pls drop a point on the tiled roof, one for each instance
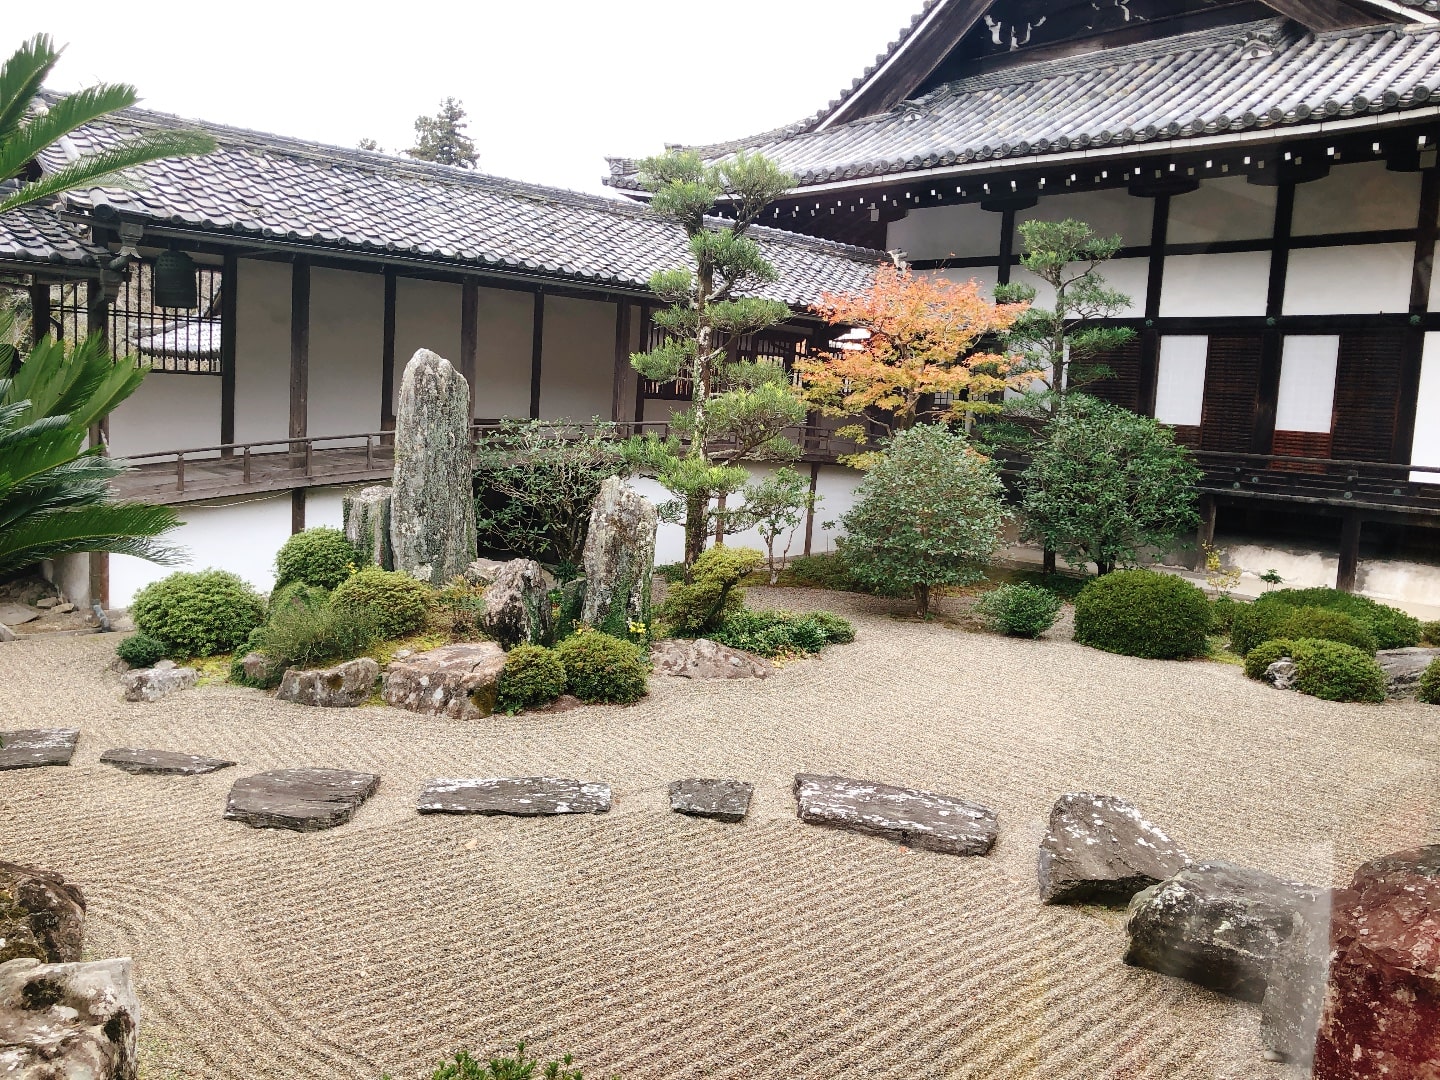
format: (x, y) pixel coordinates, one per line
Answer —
(1261, 75)
(289, 191)
(34, 235)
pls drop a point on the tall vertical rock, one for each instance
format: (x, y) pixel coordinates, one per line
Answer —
(366, 516)
(619, 558)
(432, 514)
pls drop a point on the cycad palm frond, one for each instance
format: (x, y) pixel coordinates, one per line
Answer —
(123, 528)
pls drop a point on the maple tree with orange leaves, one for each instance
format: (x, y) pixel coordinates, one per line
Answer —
(922, 330)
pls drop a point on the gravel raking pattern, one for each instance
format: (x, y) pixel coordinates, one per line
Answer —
(659, 946)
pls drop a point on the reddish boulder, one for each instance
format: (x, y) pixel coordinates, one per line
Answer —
(1381, 1018)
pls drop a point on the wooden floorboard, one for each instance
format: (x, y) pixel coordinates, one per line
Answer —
(218, 478)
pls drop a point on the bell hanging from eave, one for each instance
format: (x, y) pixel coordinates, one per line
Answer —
(175, 281)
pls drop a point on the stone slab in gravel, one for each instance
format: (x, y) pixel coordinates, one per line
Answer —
(31, 748)
(723, 800)
(305, 800)
(17, 615)
(1099, 848)
(921, 819)
(1219, 925)
(162, 762)
(527, 796)
(72, 1020)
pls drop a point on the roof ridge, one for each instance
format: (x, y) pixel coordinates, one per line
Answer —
(286, 145)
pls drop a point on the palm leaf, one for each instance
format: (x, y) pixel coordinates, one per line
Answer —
(21, 78)
(44, 128)
(101, 168)
(123, 528)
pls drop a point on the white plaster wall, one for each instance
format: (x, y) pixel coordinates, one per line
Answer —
(1229, 208)
(940, 232)
(1111, 212)
(1361, 280)
(1425, 449)
(660, 409)
(506, 324)
(427, 316)
(836, 487)
(1306, 401)
(347, 330)
(1128, 276)
(983, 276)
(577, 360)
(1215, 285)
(262, 352)
(167, 412)
(1357, 198)
(1180, 381)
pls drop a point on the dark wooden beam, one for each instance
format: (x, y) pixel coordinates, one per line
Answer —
(387, 356)
(622, 360)
(1007, 246)
(297, 510)
(1322, 15)
(299, 351)
(1149, 374)
(1267, 391)
(469, 337)
(537, 347)
(1349, 552)
(229, 319)
(1421, 276)
(39, 310)
(810, 509)
(98, 296)
(915, 60)
(1205, 535)
(640, 379)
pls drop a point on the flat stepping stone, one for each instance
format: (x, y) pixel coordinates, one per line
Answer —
(921, 819)
(162, 762)
(33, 747)
(723, 800)
(305, 800)
(526, 796)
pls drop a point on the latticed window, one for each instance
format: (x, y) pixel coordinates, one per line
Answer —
(767, 346)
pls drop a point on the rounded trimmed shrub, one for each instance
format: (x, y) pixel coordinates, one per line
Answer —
(604, 669)
(1143, 613)
(715, 593)
(140, 651)
(321, 557)
(776, 633)
(533, 676)
(1429, 690)
(1430, 633)
(1325, 624)
(198, 613)
(1019, 610)
(837, 628)
(395, 602)
(1256, 623)
(1336, 672)
(1393, 628)
(297, 594)
(1266, 653)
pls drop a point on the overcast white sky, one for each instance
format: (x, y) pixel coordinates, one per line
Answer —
(551, 86)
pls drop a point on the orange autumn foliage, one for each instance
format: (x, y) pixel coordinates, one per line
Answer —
(922, 329)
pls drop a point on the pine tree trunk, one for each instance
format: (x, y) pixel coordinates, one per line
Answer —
(695, 531)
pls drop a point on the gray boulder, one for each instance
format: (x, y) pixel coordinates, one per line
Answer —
(1281, 674)
(702, 658)
(41, 917)
(432, 513)
(152, 684)
(460, 681)
(1217, 924)
(1098, 848)
(341, 687)
(921, 819)
(1403, 668)
(305, 800)
(6, 634)
(619, 558)
(32, 748)
(258, 668)
(76, 1021)
(483, 571)
(366, 517)
(1295, 990)
(517, 604)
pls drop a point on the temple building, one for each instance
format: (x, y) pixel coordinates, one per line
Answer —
(1271, 169)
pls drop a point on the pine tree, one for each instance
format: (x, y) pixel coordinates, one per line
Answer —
(441, 138)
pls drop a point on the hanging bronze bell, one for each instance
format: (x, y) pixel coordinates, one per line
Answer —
(175, 281)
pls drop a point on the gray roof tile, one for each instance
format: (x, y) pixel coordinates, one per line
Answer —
(1173, 88)
(290, 190)
(35, 235)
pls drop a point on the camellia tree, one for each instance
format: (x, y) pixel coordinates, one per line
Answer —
(1104, 484)
(774, 507)
(920, 338)
(737, 411)
(928, 513)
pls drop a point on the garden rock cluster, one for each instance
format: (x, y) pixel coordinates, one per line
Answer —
(517, 604)
(460, 681)
(152, 684)
(73, 1020)
(42, 916)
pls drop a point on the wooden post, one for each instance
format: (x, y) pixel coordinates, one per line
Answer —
(1349, 551)
(229, 317)
(622, 360)
(1007, 246)
(297, 510)
(97, 318)
(640, 379)
(1421, 274)
(469, 337)
(387, 360)
(299, 359)
(1205, 534)
(537, 345)
(39, 310)
(810, 511)
(1267, 392)
(1149, 376)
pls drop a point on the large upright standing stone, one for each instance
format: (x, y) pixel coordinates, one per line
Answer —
(432, 514)
(619, 558)
(366, 515)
